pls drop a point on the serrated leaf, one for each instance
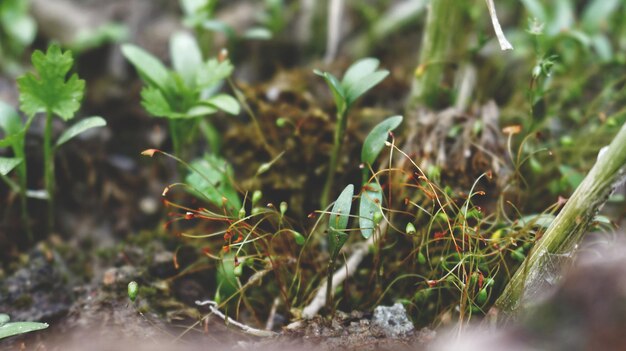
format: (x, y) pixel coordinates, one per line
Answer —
(369, 205)
(213, 72)
(149, 67)
(80, 127)
(49, 90)
(375, 140)
(364, 84)
(154, 102)
(338, 221)
(186, 56)
(17, 328)
(359, 69)
(211, 178)
(225, 103)
(7, 164)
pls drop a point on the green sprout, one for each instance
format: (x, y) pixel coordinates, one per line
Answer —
(17, 31)
(337, 236)
(185, 94)
(51, 92)
(16, 328)
(362, 76)
(199, 15)
(14, 132)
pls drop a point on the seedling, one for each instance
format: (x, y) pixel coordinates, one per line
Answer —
(185, 94)
(337, 236)
(17, 31)
(8, 328)
(199, 15)
(14, 131)
(372, 194)
(49, 91)
(362, 76)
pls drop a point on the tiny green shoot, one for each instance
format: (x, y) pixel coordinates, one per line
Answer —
(362, 76)
(51, 91)
(185, 94)
(337, 236)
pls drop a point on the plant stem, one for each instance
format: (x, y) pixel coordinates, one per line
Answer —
(443, 38)
(568, 228)
(22, 175)
(340, 130)
(329, 285)
(49, 167)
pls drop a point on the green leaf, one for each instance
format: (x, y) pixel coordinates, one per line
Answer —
(366, 83)
(201, 110)
(542, 220)
(49, 90)
(338, 221)
(78, 128)
(10, 122)
(149, 67)
(258, 33)
(7, 164)
(212, 73)
(220, 27)
(210, 178)
(370, 204)
(572, 176)
(154, 102)
(225, 103)
(597, 12)
(375, 140)
(225, 276)
(335, 87)
(17, 328)
(186, 56)
(359, 69)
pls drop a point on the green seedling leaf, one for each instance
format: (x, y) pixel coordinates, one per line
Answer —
(220, 27)
(258, 33)
(16, 22)
(149, 67)
(199, 111)
(49, 90)
(211, 180)
(369, 207)
(80, 127)
(186, 56)
(375, 140)
(335, 88)
(153, 100)
(597, 13)
(366, 83)
(7, 164)
(299, 238)
(16, 328)
(338, 221)
(226, 278)
(358, 70)
(540, 220)
(213, 72)
(10, 121)
(225, 103)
